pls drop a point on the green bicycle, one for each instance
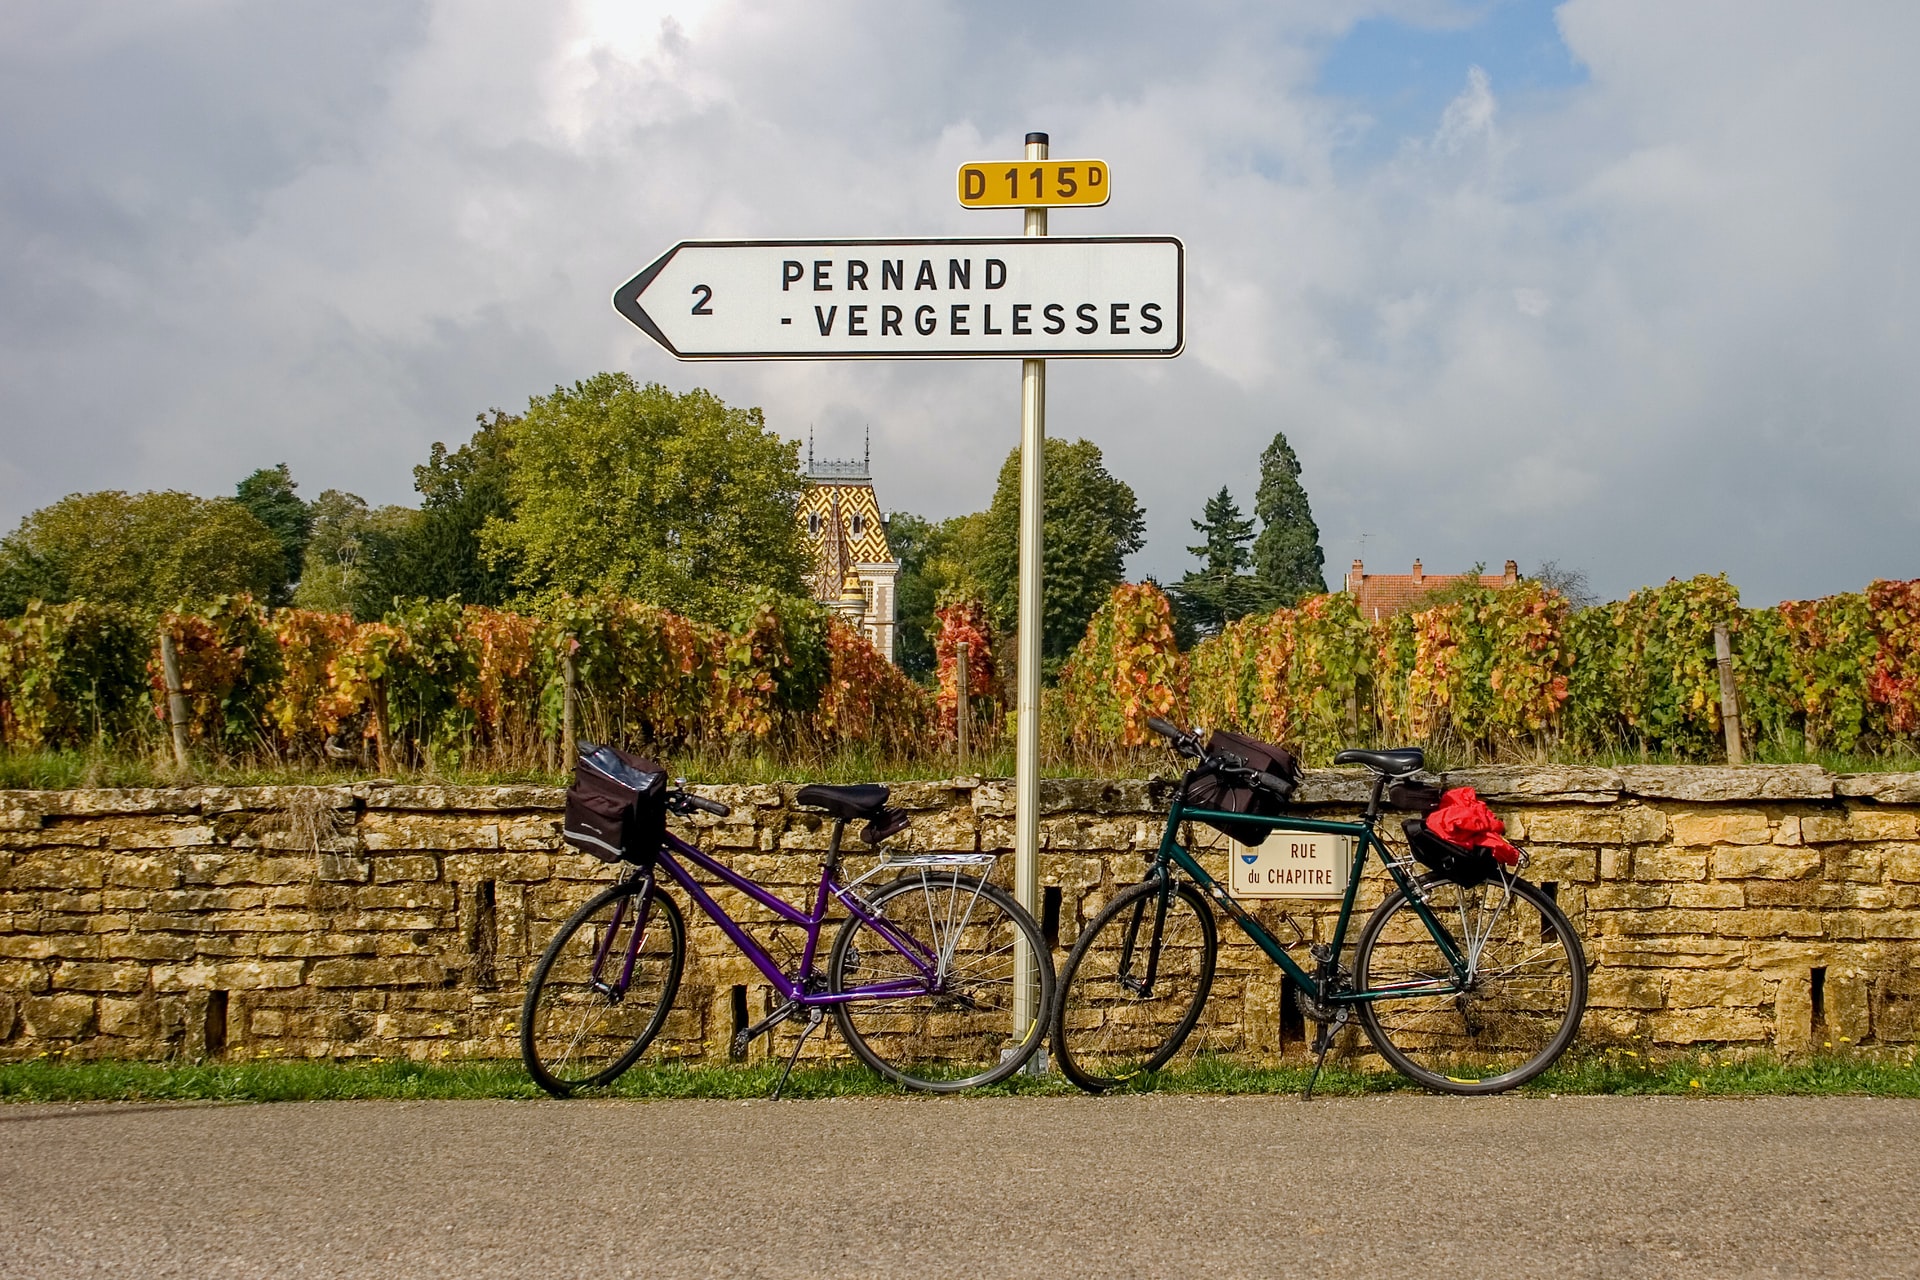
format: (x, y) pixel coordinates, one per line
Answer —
(1467, 979)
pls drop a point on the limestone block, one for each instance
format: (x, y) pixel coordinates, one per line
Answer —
(1903, 863)
(1711, 896)
(392, 869)
(1727, 826)
(1564, 783)
(163, 834)
(1864, 823)
(398, 971)
(1724, 988)
(1561, 865)
(1712, 1026)
(1787, 832)
(1625, 989)
(244, 868)
(1642, 824)
(128, 1019)
(1767, 862)
(144, 946)
(923, 797)
(520, 867)
(1616, 863)
(100, 975)
(537, 832)
(1866, 863)
(1573, 826)
(381, 832)
(59, 1017)
(1827, 895)
(230, 975)
(1665, 864)
(55, 871)
(1824, 828)
(138, 871)
(1793, 1013)
(1614, 897)
(1722, 784)
(7, 1016)
(1847, 1006)
(1887, 788)
(1086, 835)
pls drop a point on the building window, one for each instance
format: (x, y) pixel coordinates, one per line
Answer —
(813, 523)
(859, 524)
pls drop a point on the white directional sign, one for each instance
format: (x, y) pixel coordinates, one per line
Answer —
(1016, 296)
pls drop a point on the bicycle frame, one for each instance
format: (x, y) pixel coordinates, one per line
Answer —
(1364, 837)
(799, 988)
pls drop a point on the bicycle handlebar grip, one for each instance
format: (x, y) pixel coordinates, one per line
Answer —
(713, 807)
(1165, 728)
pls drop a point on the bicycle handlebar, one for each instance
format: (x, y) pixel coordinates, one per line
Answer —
(687, 802)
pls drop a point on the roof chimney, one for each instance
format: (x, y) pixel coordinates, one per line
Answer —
(1418, 573)
(1354, 575)
(1513, 573)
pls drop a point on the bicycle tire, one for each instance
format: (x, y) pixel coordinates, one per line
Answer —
(1103, 1033)
(1525, 997)
(572, 1036)
(960, 1034)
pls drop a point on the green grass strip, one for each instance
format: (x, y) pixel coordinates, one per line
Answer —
(1698, 1074)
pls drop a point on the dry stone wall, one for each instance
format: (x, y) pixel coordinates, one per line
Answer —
(1762, 907)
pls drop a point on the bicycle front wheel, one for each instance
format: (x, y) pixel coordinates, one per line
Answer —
(1134, 985)
(1519, 1007)
(942, 952)
(589, 1014)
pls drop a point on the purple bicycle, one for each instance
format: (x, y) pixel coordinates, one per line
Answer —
(920, 977)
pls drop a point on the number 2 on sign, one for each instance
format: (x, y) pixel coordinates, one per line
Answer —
(705, 295)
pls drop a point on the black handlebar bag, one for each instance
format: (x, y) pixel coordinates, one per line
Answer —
(617, 806)
(1211, 787)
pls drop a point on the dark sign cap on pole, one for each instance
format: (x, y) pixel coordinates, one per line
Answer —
(1040, 138)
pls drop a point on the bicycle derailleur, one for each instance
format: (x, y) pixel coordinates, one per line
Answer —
(1329, 975)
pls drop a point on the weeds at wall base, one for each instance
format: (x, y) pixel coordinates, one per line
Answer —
(1693, 1073)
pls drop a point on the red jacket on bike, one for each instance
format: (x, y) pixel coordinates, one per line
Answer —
(1464, 819)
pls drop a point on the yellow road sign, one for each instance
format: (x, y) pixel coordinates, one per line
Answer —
(1033, 184)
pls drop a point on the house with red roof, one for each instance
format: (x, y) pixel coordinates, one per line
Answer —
(1381, 595)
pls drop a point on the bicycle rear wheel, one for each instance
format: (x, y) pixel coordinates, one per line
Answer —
(588, 1017)
(952, 1026)
(1519, 1008)
(1126, 1004)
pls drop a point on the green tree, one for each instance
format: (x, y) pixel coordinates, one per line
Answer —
(460, 490)
(1286, 556)
(354, 556)
(678, 500)
(269, 494)
(1091, 524)
(1219, 592)
(148, 551)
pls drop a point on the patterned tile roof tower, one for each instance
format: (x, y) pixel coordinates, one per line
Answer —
(853, 567)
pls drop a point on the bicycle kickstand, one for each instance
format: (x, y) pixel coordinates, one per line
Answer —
(816, 1017)
(1322, 1041)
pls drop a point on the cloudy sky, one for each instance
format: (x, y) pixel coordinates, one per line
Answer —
(1623, 284)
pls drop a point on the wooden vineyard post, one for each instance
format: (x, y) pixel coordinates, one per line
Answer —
(1729, 696)
(569, 743)
(382, 747)
(176, 697)
(963, 713)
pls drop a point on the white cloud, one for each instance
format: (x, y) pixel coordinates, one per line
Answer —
(1659, 323)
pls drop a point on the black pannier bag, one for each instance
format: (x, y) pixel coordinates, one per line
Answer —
(1422, 798)
(1445, 858)
(1207, 788)
(617, 805)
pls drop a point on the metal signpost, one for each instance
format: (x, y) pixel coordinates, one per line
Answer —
(1027, 297)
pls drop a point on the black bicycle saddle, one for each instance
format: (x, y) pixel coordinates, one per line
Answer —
(1395, 763)
(861, 801)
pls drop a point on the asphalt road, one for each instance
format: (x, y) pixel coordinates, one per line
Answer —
(1138, 1186)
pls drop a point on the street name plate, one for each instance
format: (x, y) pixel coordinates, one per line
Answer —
(986, 298)
(1290, 864)
(1033, 184)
